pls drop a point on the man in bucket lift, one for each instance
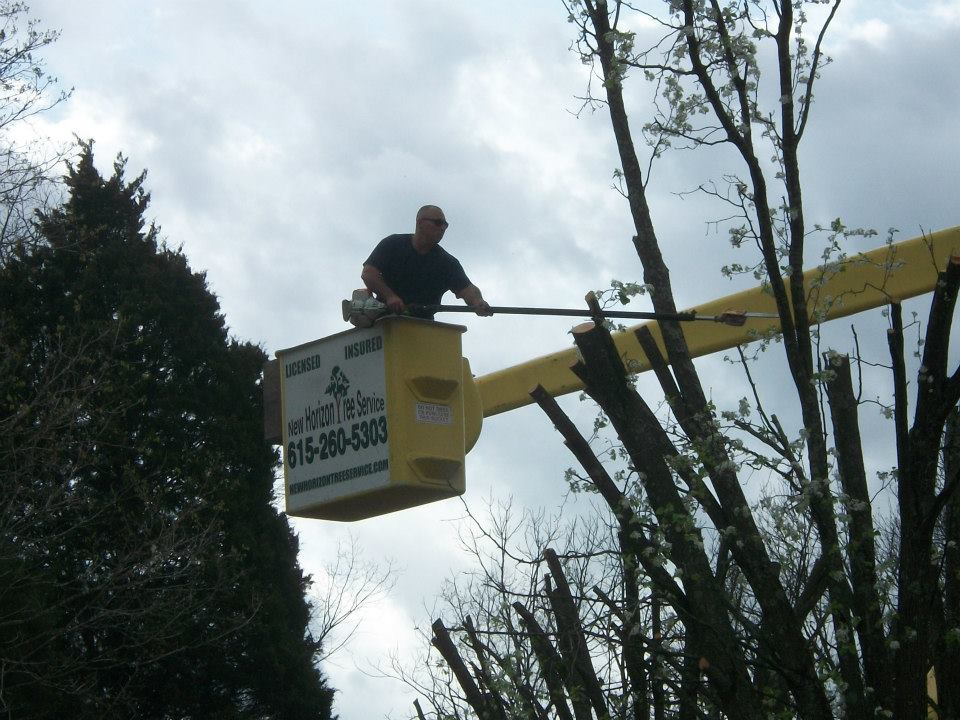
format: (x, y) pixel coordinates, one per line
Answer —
(413, 269)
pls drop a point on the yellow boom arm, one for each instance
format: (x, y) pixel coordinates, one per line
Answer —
(888, 274)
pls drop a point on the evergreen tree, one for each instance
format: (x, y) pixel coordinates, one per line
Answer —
(143, 570)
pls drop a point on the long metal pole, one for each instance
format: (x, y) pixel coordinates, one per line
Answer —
(729, 318)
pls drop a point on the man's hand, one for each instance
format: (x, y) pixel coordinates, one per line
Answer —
(395, 303)
(373, 279)
(482, 308)
(472, 296)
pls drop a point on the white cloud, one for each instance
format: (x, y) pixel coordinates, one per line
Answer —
(873, 32)
(947, 12)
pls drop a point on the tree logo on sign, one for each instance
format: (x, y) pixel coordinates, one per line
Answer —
(338, 386)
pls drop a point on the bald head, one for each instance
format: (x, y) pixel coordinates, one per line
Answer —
(429, 211)
(431, 225)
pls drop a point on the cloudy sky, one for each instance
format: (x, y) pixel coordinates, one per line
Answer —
(284, 139)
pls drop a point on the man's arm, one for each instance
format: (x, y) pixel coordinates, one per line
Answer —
(374, 281)
(472, 296)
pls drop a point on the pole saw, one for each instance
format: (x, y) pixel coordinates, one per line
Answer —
(363, 310)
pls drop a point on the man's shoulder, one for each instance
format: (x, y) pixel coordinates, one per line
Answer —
(397, 239)
(442, 254)
(390, 248)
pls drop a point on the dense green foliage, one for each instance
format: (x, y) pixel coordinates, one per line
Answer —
(143, 570)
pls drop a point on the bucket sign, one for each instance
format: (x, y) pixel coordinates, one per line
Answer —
(373, 419)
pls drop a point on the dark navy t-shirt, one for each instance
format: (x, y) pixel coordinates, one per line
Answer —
(416, 278)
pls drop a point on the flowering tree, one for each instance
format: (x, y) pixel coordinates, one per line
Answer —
(26, 90)
(706, 597)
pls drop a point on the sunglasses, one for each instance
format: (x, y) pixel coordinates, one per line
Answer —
(437, 222)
